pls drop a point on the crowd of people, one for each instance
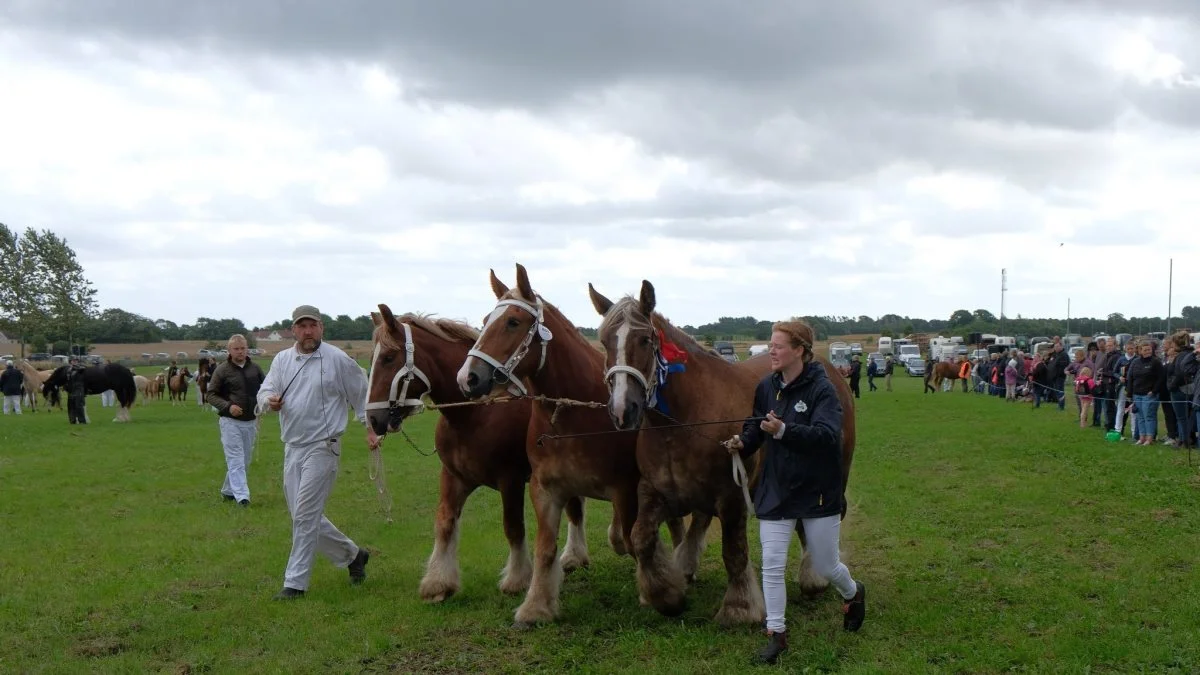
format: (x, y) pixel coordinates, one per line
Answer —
(1115, 389)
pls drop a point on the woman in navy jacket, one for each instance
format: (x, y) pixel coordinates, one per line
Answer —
(801, 481)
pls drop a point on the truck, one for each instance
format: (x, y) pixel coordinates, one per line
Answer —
(839, 354)
(943, 348)
(885, 345)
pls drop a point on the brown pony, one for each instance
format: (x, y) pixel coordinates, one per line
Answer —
(203, 374)
(526, 337)
(682, 469)
(154, 388)
(178, 385)
(944, 371)
(478, 445)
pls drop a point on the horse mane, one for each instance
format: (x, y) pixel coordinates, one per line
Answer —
(442, 328)
(515, 294)
(628, 309)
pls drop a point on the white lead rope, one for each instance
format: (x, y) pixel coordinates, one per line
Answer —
(742, 479)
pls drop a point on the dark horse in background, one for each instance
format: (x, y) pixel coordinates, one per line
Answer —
(98, 379)
(204, 371)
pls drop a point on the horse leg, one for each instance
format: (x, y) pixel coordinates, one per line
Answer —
(689, 549)
(441, 578)
(616, 533)
(575, 553)
(811, 583)
(515, 576)
(541, 602)
(743, 602)
(660, 582)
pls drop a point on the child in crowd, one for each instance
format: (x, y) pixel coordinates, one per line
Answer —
(1085, 387)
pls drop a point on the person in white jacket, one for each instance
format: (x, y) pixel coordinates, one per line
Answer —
(311, 385)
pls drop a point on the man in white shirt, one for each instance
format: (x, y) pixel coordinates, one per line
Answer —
(311, 385)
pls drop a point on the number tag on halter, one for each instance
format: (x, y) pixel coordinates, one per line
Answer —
(544, 332)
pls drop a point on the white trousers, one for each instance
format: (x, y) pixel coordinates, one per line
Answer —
(12, 403)
(237, 437)
(308, 476)
(108, 398)
(822, 537)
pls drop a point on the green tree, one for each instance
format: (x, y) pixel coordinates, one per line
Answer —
(22, 296)
(69, 296)
(984, 316)
(961, 317)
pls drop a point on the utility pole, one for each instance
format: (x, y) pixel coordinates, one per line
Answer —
(1170, 283)
(1068, 317)
(1003, 288)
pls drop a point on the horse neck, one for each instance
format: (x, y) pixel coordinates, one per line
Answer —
(440, 360)
(704, 376)
(574, 369)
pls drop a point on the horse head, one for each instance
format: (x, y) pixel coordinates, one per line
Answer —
(512, 344)
(632, 354)
(395, 383)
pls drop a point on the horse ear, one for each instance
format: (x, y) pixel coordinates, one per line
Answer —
(523, 283)
(647, 301)
(498, 286)
(388, 317)
(376, 319)
(601, 303)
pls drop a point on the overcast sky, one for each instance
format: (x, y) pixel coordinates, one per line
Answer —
(235, 158)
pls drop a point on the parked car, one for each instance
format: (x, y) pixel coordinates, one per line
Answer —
(39, 356)
(725, 350)
(162, 355)
(916, 367)
(856, 348)
(181, 355)
(755, 350)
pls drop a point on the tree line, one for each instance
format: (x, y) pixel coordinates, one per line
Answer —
(48, 303)
(961, 322)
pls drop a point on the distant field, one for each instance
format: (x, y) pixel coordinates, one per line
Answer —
(992, 538)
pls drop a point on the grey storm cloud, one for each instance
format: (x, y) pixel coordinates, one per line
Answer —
(801, 124)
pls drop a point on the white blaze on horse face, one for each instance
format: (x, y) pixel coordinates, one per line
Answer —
(621, 379)
(374, 369)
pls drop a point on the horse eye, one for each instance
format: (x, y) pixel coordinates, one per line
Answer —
(388, 358)
(646, 341)
(513, 323)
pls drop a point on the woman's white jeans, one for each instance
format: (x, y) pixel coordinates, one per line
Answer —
(822, 536)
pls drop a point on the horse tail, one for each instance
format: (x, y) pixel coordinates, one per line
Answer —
(126, 388)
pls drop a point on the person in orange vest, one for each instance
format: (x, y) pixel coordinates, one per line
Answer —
(964, 371)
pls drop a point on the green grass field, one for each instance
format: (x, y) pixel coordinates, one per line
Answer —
(992, 538)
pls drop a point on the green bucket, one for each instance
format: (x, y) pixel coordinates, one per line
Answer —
(1112, 436)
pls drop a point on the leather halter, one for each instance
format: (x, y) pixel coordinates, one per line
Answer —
(398, 393)
(650, 386)
(503, 371)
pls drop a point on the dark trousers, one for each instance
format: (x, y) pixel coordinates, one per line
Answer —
(76, 411)
(854, 386)
(1169, 414)
(871, 382)
(1060, 392)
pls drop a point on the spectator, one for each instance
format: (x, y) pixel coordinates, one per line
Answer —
(872, 372)
(1058, 373)
(887, 373)
(1145, 375)
(1010, 381)
(11, 382)
(1183, 388)
(1085, 388)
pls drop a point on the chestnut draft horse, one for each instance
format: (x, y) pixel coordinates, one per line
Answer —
(526, 337)
(688, 469)
(944, 370)
(478, 445)
(682, 469)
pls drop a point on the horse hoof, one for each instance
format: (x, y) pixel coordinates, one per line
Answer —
(522, 626)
